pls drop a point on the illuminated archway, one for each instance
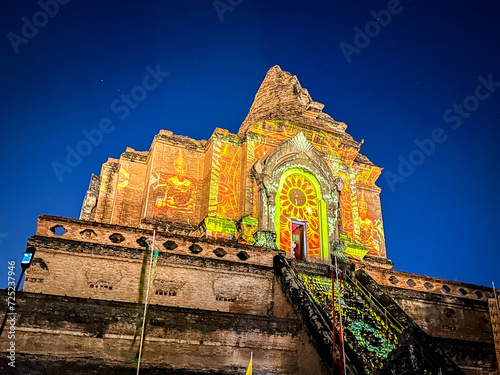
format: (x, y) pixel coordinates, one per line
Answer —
(297, 156)
(299, 200)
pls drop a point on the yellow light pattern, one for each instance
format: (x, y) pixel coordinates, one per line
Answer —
(298, 201)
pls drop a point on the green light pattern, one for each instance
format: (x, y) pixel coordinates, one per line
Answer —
(218, 225)
(365, 331)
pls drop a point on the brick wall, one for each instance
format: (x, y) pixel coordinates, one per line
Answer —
(92, 266)
(195, 341)
(446, 317)
(435, 285)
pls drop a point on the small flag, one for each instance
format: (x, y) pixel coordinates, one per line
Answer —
(155, 258)
(249, 368)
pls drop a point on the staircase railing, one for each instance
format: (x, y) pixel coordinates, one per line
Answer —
(428, 360)
(408, 332)
(375, 304)
(389, 318)
(310, 313)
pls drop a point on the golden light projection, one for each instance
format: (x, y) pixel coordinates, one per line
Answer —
(367, 175)
(229, 166)
(276, 131)
(261, 151)
(361, 222)
(123, 179)
(178, 190)
(365, 224)
(298, 200)
(346, 209)
(249, 226)
(371, 231)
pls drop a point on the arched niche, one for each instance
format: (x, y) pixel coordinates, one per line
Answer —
(297, 155)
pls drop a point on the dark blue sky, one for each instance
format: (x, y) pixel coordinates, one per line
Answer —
(62, 78)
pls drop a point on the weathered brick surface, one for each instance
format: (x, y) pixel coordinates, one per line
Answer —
(475, 358)
(177, 338)
(107, 190)
(422, 283)
(95, 268)
(460, 327)
(99, 234)
(276, 99)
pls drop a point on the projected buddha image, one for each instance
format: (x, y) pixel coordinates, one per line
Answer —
(179, 193)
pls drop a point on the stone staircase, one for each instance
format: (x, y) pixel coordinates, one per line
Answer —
(380, 338)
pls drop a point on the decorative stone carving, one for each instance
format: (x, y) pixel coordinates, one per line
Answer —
(38, 269)
(224, 288)
(297, 152)
(169, 285)
(265, 239)
(96, 279)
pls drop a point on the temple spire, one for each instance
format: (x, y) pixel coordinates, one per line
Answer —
(281, 97)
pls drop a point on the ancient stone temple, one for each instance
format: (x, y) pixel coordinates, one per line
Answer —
(230, 241)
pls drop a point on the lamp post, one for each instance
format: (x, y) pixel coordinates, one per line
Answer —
(25, 264)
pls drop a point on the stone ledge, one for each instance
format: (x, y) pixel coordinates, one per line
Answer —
(46, 309)
(164, 257)
(398, 293)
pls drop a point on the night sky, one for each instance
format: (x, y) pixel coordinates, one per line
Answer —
(418, 81)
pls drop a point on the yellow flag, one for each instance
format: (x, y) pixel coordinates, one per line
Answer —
(249, 368)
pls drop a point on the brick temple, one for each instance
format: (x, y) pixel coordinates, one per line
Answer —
(246, 227)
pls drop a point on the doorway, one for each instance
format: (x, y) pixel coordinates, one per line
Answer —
(299, 239)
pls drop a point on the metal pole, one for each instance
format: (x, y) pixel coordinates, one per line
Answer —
(146, 302)
(333, 318)
(20, 278)
(7, 307)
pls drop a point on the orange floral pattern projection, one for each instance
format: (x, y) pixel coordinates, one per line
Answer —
(346, 209)
(261, 151)
(229, 166)
(275, 131)
(298, 201)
